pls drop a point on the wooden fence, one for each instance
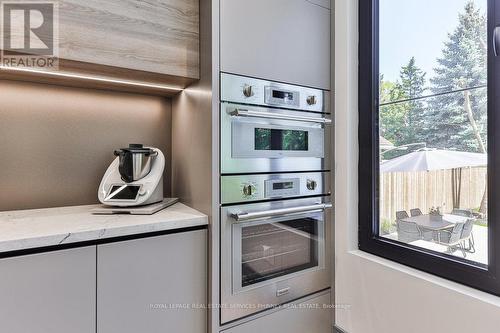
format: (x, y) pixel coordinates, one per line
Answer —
(407, 190)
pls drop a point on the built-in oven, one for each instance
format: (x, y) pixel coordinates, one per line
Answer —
(272, 127)
(272, 253)
(275, 215)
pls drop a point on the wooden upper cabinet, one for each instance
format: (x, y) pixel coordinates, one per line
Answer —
(130, 45)
(158, 36)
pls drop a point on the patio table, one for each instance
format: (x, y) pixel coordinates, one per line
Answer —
(432, 223)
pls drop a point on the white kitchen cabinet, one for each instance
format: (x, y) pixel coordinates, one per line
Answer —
(299, 318)
(153, 285)
(51, 292)
(280, 40)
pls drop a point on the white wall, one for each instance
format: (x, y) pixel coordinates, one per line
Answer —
(384, 297)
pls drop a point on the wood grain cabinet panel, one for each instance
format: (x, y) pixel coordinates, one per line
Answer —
(142, 46)
(159, 36)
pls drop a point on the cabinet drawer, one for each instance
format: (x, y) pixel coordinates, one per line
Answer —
(50, 292)
(302, 318)
(153, 284)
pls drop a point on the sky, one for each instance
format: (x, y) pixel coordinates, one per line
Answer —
(416, 28)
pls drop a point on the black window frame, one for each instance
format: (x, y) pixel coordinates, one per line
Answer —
(482, 277)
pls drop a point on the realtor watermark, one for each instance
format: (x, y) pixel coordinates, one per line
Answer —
(247, 306)
(29, 34)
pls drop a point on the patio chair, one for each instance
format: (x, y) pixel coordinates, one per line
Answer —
(478, 215)
(415, 212)
(452, 238)
(408, 231)
(462, 212)
(401, 214)
(468, 236)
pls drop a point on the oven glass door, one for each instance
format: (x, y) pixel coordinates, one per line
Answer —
(277, 248)
(263, 138)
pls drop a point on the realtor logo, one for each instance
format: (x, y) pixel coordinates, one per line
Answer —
(29, 33)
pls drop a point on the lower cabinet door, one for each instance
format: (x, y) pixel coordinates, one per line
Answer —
(153, 285)
(51, 292)
(310, 316)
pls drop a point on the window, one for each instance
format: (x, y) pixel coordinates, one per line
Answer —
(427, 157)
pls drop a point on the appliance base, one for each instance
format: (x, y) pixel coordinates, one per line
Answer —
(137, 210)
(309, 314)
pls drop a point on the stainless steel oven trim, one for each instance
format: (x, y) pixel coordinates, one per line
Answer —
(268, 293)
(230, 165)
(271, 115)
(245, 216)
(236, 250)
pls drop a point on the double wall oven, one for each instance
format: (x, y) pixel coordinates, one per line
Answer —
(275, 215)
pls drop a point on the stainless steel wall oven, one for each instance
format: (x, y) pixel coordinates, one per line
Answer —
(260, 134)
(275, 194)
(272, 253)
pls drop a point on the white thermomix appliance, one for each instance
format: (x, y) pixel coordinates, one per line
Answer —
(134, 178)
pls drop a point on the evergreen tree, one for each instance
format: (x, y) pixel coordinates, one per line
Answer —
(410, 86)
(392, 116)
(401, 122)
(458, 120)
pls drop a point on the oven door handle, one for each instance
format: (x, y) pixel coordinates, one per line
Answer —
(244, 216)
(269, 115)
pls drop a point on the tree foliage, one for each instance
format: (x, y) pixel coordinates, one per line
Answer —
(450, 120)
(401, 115)
(463, 64)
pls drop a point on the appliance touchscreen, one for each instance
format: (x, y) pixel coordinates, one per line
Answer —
(124, 192)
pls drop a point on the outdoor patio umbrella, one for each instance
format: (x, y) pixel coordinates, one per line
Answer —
(437, 159)
(385, 144)
(434, 159)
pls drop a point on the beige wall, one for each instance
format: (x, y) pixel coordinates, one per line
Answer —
(382, 296)
(56, 142)
(193, 127)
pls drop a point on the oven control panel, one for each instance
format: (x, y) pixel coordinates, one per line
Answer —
(281, 97)
(247, 90)
(279, 188)
(248, 188)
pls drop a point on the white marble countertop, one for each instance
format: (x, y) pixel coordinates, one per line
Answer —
(27, 229)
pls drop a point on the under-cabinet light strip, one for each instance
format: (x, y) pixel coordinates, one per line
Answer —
(94, 78)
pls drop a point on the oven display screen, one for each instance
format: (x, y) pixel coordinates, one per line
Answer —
(277, 139)
(282, 186)
(126, 193)
(285, 95)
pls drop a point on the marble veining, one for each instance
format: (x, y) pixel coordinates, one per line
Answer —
(55, 226)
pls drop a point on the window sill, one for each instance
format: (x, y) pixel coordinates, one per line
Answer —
(435, 280)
